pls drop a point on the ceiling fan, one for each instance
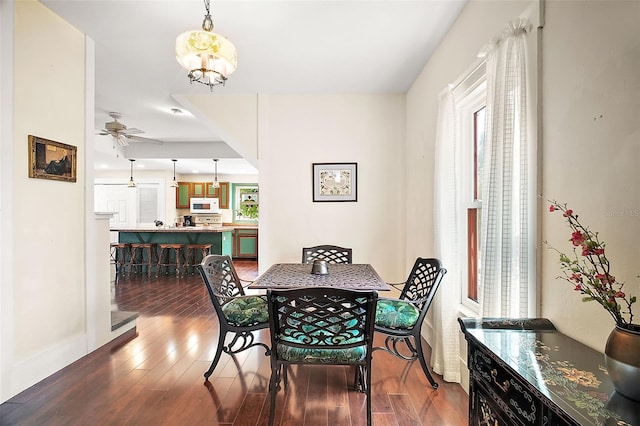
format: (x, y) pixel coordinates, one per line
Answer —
(122, 134)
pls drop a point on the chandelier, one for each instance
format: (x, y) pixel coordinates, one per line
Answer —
(210, 58)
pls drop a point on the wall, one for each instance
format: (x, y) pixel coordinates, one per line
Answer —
(591, 90)
(298, 130)
(46, 311)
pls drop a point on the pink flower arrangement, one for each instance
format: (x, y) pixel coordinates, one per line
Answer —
(588, 269)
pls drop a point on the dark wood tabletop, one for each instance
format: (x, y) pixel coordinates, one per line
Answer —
(344, 275)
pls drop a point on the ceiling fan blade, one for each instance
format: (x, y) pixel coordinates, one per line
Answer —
(120, 140)
(141, 139)
(131, 131)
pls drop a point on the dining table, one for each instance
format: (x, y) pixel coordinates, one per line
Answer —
(354, 276)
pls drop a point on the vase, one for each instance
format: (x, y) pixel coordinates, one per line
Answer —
(622, 359)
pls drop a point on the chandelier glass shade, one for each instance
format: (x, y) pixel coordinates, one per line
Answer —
(132, 184)
(210, 58)
(174, 184)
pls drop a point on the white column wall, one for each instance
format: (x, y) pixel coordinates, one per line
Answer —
(47, 287)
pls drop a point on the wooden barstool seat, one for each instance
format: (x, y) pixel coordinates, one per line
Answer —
(120, 256)
(142, 254)
(195, 254)
(171, 255)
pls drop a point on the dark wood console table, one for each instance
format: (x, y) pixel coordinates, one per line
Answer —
(525, 372)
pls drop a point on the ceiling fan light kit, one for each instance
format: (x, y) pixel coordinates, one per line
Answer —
(210, 58)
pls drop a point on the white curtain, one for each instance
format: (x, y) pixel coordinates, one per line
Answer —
(445, 351)
(506, 269)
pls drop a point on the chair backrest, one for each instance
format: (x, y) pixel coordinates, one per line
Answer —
(322, 318)
(332, 254)
(221, 279)
(423, 282)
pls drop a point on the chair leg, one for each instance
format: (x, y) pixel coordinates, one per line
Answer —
(214, 363)
(423, 362)
(274, 386)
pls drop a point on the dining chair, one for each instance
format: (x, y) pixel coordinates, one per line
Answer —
(238, 313)
(321, 326)
(401, 319)
(332, 254)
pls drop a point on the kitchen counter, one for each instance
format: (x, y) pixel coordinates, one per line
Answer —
(180, 229)
(220, 238)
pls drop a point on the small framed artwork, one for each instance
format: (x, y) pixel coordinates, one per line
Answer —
(52, 160)
(335, 182)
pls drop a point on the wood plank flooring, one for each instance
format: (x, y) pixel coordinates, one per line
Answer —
(156, 378)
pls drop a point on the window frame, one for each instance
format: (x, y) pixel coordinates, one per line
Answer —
(471, 96)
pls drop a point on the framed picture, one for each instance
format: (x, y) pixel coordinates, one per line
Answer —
(335, 182)
(51, 160)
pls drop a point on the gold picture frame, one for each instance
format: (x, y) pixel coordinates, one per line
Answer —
(52, 160)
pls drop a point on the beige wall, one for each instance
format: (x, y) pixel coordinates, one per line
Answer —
(300, 130)
(591, 151)
(46, 282)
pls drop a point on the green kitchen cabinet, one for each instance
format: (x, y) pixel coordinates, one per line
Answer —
(198, 189)
(188, 190)
(183, 194)
(245, 243)
(222, 194)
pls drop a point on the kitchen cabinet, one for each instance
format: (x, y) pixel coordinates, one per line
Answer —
(183, 194)
(245, 243)
(222, 193)
(187, 190)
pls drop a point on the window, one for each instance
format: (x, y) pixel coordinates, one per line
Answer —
(471, 96)
(245, 202)
(473, 213)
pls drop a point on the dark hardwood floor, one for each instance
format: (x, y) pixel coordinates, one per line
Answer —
(157, 377)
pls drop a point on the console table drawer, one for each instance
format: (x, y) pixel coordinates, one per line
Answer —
(510, 394)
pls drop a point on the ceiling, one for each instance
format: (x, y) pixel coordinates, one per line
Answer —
(294, 46)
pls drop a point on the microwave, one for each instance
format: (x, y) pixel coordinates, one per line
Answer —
(204, 205)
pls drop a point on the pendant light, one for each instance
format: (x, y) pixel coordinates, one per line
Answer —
(174, 184)
(216, 184)
(132, 184)
(210, 58)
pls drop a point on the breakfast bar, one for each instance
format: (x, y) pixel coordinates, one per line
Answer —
(220, 238)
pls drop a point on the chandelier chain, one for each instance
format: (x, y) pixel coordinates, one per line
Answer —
(207, 24)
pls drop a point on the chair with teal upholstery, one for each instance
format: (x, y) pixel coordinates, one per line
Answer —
(321, 326)
(237, 312)
(401, 319)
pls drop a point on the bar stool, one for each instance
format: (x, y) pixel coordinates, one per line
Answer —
(170, 255)
(120, 255)
(142, 254)
(195, 254)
